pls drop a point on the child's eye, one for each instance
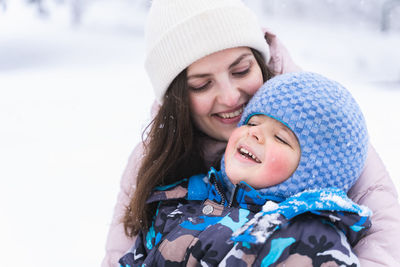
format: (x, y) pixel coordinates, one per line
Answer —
(282, 140)
(250, 123)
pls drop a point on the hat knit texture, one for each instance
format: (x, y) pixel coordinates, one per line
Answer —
(329, 126)
(179, 32)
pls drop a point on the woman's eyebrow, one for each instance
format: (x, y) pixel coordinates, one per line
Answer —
(239, 59)
(202, 75)
(236, 62)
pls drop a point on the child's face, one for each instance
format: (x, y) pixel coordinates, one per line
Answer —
(262, 153)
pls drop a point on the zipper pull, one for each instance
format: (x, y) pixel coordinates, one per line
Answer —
(233, 195)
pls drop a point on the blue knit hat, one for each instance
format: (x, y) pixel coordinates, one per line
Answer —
(328, 123)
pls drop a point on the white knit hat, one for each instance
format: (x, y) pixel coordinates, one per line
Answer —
(179, 32)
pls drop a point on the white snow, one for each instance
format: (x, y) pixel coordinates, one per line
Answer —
(74, 100)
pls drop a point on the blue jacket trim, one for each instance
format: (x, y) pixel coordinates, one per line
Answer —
(166, 187)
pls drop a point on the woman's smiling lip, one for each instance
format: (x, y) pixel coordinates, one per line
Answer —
(230, 116)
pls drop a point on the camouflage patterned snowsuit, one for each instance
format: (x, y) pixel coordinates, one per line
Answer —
(195, 225)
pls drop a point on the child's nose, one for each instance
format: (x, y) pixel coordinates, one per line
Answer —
(256, 133)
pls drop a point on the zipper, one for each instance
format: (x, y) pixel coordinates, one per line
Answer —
(220, 191)
(218, 188)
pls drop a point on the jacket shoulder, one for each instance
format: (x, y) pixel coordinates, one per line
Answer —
(176, 190)
(193, 188)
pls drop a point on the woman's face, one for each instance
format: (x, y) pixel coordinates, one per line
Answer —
(220, 85)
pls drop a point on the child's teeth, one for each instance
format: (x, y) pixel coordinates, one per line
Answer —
(249, 154)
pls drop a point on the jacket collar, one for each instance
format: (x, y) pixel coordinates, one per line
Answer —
(214, 187)
(241, 194)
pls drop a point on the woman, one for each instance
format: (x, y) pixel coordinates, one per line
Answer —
(205, 60)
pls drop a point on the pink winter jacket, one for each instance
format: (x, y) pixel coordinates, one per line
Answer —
(374, 189)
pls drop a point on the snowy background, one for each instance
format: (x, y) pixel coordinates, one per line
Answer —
(74, 99)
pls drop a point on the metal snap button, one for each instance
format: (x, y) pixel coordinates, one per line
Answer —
(207, 209)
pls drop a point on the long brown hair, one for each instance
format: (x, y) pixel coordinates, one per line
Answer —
(172, 150)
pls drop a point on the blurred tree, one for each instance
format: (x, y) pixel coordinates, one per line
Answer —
(40, 7)
(375, 14)
(387, 8)
(369, 13)
(3, 4)
(76, 11)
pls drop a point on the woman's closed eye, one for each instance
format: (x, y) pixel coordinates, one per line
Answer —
(241, 73)
(200, 87)
(242, 68)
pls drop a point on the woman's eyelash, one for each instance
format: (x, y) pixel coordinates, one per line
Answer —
(205, 86)
(241, 73)
(201, 88)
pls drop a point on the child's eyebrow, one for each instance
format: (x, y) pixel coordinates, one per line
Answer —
(290, 132)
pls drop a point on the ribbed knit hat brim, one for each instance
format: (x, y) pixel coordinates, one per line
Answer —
(179, 32)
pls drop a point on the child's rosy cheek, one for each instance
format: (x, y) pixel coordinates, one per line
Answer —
(278, 165)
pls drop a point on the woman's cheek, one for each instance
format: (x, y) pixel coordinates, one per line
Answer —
(254, 83)
(198, 105)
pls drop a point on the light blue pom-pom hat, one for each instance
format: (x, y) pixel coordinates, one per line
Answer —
(329, 126)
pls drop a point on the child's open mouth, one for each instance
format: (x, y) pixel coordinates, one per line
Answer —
(248, 155)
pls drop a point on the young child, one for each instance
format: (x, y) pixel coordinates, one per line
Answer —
(280, 197)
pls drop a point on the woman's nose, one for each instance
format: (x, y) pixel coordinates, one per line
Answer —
(229, 94)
